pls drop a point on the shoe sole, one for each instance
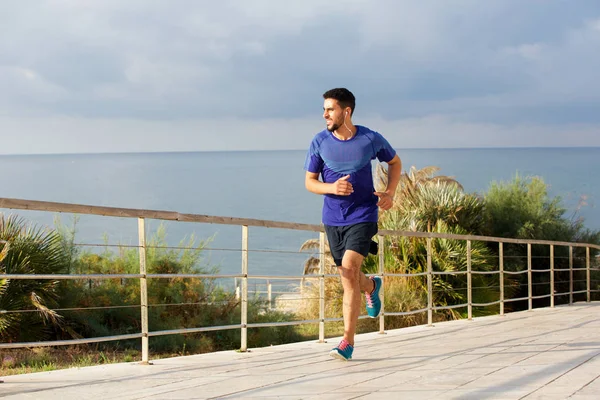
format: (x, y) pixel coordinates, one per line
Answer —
(337, 355)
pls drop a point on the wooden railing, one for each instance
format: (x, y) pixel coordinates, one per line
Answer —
(244, 275)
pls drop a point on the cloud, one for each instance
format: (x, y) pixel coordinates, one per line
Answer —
(500, 63)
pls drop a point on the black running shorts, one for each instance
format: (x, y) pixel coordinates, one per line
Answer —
(350, 237)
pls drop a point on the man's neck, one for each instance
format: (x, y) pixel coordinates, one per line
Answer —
(344, 133)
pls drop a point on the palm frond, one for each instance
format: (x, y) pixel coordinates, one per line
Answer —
(33, 250)
(311, 244)
(5, 247)
(312, 266)
(48, 314)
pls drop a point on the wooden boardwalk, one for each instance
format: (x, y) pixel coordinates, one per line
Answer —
(541, 354)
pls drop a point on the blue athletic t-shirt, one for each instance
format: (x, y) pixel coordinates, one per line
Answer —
(334, 158)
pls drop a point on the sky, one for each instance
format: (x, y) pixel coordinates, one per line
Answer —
(87, 76)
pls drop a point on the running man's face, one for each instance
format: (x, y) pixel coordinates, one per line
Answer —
(333, 114)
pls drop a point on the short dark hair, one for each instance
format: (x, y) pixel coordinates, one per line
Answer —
(344, 97)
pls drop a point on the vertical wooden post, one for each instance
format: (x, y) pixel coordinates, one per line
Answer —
(570, 274)
(143, 289)
(382, 273)
(501, 265)
(429, 285)
(529, 279)
(469, 283)
(587, 274)
(244, 310)
(552, 276)
(269, 294)
(322, 287)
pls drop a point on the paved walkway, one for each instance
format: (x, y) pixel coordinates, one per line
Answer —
(542, 354)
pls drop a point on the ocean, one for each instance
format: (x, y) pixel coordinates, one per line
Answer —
(264, 185)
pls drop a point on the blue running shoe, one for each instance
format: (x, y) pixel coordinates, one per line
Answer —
(343, 351)
(373, 300)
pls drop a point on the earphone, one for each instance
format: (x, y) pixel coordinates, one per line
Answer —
(349, 130)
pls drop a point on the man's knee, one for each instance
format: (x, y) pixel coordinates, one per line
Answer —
(350, 269)
(352, 260)
(348, 272)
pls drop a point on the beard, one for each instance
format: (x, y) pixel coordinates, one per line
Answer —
(334, 127)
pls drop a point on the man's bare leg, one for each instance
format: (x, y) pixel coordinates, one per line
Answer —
(354, 283)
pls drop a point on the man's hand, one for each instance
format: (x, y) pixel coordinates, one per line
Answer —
(342, 187)
(386, 200)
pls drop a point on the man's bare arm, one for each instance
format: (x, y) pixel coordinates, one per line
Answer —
(386, 198)
(394, 172)
(340, 187)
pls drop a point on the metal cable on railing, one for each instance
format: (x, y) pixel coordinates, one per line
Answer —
(266, 251)
(68, 309)
(512, 285)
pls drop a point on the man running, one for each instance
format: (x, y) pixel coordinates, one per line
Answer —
(341, 155)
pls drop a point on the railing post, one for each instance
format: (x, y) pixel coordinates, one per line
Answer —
(552, 276)
(269, 292)
(143, 289)
(469, 283)
(587, 274)
(529, 279)
(244, 310)
(501, 265)
(429, 285)
(570, 275)
(322, 287)
(381, 273)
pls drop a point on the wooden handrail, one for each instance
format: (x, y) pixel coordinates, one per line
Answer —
(35, 205)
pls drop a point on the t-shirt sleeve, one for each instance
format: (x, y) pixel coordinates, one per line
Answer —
(383, 150)
(313, 162)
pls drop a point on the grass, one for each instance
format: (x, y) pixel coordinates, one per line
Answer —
(41, 359)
